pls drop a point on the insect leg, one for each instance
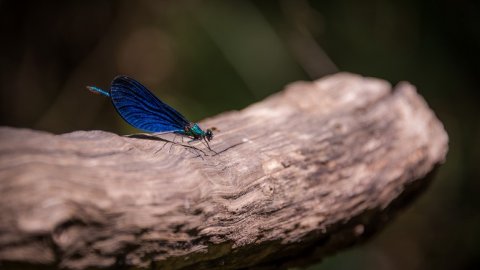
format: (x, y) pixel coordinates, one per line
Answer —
(208, 145)
(173, 142)
(161, 147)
(196, 151)
(192, 140)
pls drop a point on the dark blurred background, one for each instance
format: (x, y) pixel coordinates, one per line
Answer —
(206, 57)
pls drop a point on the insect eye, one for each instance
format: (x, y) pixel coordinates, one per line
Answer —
(209, 134)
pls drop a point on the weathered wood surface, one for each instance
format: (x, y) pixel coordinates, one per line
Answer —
(304, 173)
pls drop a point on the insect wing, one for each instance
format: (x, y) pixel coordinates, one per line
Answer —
(143, 110)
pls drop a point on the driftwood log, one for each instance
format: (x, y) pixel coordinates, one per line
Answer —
(307, 172)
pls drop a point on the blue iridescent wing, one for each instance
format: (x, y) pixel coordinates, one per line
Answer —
(141, 109)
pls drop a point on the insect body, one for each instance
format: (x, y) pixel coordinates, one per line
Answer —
(143, 110)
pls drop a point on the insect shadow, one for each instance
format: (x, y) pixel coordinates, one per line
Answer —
(144, 136)
(173, 142)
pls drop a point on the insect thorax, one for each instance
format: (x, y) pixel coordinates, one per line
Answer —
(194, 131)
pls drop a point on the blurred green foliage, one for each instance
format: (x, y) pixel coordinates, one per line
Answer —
(206, 57)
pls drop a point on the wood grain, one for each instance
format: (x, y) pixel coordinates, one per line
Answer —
(307, 172)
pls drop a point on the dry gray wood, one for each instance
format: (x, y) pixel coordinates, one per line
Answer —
(304, 173)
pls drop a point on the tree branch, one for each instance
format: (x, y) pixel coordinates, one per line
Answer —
(304, 173)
